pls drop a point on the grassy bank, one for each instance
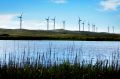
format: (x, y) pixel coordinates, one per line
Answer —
(10, 34)
(62, 71)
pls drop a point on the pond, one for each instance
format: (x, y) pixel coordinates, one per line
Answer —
(52, 51)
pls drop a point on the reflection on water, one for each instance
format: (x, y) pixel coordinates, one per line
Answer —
(58, 51)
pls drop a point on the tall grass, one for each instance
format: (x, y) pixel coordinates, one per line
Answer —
(48, 65)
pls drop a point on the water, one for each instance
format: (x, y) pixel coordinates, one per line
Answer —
(59, 51)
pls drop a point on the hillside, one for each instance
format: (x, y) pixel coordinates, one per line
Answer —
(60, 34)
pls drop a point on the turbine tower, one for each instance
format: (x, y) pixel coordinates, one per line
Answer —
(64, 25)
(21, 17)
(54, 20)
(47, 19)
(108, 29)
(113, 29)
(96, 29)
(92, 27)
(83, 25)
(79, 21)
(88, 26)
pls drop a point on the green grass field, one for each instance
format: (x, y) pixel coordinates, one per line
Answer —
(16, 34)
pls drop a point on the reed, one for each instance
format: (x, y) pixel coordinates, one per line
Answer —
(48, 65)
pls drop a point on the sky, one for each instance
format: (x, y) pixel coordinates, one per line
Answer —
(102, 13)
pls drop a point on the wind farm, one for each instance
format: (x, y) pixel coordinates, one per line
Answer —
(89, 34)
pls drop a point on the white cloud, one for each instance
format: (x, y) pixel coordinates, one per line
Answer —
(10, 21)
(110, 4)
(59, 1)
(6, 18)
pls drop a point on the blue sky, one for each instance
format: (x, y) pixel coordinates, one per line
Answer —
(102, 13)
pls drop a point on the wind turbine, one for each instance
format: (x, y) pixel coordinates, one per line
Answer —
(113, 29)
(64, 25)
(88, 26)
(79, 21)
(21, 17)
(54, 20)
(108, 29)
(47, 19)
(93, 27)
(83, 25)
(96, 29)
